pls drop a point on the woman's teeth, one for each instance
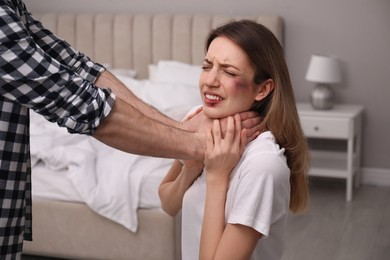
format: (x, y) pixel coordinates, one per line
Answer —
(213, 97)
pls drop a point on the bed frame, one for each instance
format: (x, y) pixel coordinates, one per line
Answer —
(72, 230)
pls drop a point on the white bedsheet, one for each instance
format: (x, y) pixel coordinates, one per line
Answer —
(55, 185)
(107, 180)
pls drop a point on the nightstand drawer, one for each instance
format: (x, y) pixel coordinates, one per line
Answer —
(325, 127)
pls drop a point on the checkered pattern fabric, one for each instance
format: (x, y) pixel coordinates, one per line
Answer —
(41, 72)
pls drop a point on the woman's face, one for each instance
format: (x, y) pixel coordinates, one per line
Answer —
(226, 82)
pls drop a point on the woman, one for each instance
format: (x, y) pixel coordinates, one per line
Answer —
(236, 207)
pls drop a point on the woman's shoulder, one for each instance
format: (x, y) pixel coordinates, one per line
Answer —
(263, 156)
(265, 143)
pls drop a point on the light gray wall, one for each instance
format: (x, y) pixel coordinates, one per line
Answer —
(357, 31)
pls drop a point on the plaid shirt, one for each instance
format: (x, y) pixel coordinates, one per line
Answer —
(41, 72)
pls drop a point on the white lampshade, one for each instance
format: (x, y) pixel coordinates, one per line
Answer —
(324, 69)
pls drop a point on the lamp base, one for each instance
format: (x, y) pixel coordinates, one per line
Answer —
(322, 97)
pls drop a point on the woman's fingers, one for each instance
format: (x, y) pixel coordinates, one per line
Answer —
(233, 131)
(237, 121)
(217, 133)
(209, 141)
(230, 130)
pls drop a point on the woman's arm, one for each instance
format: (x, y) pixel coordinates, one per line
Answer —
(237, 243)
(175, 184)
(217, 240)
(220, 241)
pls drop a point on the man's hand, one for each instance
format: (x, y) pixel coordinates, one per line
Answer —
(195, 121)
(250, 120)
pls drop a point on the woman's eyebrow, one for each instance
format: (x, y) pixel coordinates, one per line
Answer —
(223, 65)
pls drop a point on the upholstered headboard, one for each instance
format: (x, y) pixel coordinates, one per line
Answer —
(135, 41)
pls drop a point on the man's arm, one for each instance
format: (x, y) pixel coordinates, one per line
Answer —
(129, 130)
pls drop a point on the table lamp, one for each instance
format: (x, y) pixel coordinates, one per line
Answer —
(324, 70)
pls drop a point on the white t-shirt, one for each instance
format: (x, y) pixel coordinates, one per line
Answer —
(258, 196)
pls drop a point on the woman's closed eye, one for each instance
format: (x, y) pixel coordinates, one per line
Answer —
(229, 70)
(230, 73)
(220, 70)
(206, 67)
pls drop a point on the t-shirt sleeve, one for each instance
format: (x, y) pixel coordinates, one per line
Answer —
(262, 194)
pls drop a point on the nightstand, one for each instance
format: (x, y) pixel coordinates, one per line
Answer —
(342, 122)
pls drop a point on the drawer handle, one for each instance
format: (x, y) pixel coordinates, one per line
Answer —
(316, 128)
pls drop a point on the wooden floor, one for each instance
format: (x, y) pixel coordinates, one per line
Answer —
(334, 229)
(339, 230)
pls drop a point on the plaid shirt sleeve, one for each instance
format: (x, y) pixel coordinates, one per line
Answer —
(44, 73)
(62, 51)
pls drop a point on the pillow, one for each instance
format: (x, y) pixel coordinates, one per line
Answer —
(153, 70)
(172, 87)
(124, 72)
(175, 72)
(172, 99)
(120, 71)
(136, 86)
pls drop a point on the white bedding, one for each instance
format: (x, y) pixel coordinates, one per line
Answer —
(114, 184)
(107, 180)
(56, 185)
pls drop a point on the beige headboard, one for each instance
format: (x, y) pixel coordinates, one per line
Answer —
(136, 40)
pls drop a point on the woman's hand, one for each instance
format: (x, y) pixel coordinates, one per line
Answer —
(224, 151)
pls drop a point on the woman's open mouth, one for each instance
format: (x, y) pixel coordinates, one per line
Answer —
(212, 99)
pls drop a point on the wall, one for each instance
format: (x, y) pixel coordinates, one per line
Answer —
(357, 31)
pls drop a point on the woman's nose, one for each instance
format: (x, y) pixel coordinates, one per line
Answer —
(212, 77)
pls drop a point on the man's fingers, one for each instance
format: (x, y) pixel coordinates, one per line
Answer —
(251, 122)
(248, 114)
(255, 130)
(196, 112)
(244, 140)
(237, 121)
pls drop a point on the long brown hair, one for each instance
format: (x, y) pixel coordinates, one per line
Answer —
(278, 109)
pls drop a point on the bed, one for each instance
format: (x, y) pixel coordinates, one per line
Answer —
(89, 200)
